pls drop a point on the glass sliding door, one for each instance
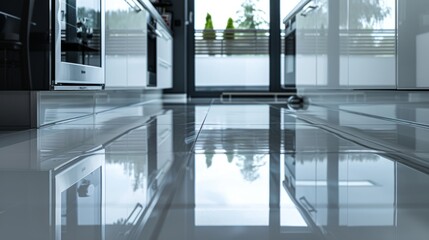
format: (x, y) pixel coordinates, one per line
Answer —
(231, 44)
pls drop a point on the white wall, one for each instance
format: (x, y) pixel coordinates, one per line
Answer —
(231, 71)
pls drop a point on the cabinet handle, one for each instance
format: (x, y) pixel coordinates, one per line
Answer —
(164, 63)
(134, 215)
(308, 9)
(307, 205)
(164, 136)
(136, 7)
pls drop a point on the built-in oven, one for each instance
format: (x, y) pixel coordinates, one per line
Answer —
(79, 44)
(79, 199)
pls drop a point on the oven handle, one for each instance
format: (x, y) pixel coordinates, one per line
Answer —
(136, 212)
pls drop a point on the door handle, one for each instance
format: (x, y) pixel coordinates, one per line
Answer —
(164, 63)
(190, 18)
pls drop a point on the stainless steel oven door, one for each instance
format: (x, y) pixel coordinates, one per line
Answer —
(79, 42)
(79, 200)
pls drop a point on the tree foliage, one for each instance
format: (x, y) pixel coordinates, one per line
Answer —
(366, 13)
(250, 17)
(208, 32)
(229, 34)
(354, 14)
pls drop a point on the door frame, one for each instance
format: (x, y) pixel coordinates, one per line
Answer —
(274, 54)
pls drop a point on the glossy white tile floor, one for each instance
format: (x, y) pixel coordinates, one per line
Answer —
(211, 170)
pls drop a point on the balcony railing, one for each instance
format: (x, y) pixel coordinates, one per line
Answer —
(232, 42)
(256, 42)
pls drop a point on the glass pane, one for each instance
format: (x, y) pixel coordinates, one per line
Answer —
(80, 32)
(288, 45)
(231, 45)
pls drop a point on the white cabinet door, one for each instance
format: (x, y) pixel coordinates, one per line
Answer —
(116, 44)
(305, 48)
(164, 47)
(413, 45)
(371, 45)
(137, 54)
(321, 16)
(115, 74)
(126, 46)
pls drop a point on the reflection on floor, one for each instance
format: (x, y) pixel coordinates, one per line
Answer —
(211, 170)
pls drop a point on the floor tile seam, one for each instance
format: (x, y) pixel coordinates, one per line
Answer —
(80, 150)
(297, 152)
(325, 124)
(226, 123)
(200, 128)
(389, 119)
(407, 158)
(340, 134)
(142, 151)
(100, 113)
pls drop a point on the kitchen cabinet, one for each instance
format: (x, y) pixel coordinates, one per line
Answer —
(371, 44)
(316, 45)
(126, 45)
(164, 61)
(321, 16)
(413, 44)
(306, 44)
(340, 46)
